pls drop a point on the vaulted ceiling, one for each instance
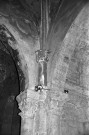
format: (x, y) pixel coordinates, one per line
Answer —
(33, 7)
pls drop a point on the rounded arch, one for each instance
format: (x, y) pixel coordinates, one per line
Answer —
(5, 38)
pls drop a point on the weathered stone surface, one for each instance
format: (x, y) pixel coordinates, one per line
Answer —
(75, 74)
(54, 112)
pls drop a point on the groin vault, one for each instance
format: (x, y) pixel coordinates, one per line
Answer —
(44, 67)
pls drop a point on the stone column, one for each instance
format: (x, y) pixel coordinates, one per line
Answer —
(34, 108)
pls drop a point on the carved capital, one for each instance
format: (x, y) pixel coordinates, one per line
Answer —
(28, 103)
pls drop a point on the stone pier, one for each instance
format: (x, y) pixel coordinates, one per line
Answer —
(40, 113)
(34, 112)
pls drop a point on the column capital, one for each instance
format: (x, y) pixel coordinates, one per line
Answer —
(42, 55)
(28, 103)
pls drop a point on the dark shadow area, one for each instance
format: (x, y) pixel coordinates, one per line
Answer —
(9, 88)
(85, 129)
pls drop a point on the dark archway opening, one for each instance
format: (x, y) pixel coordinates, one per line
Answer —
(10, 121)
